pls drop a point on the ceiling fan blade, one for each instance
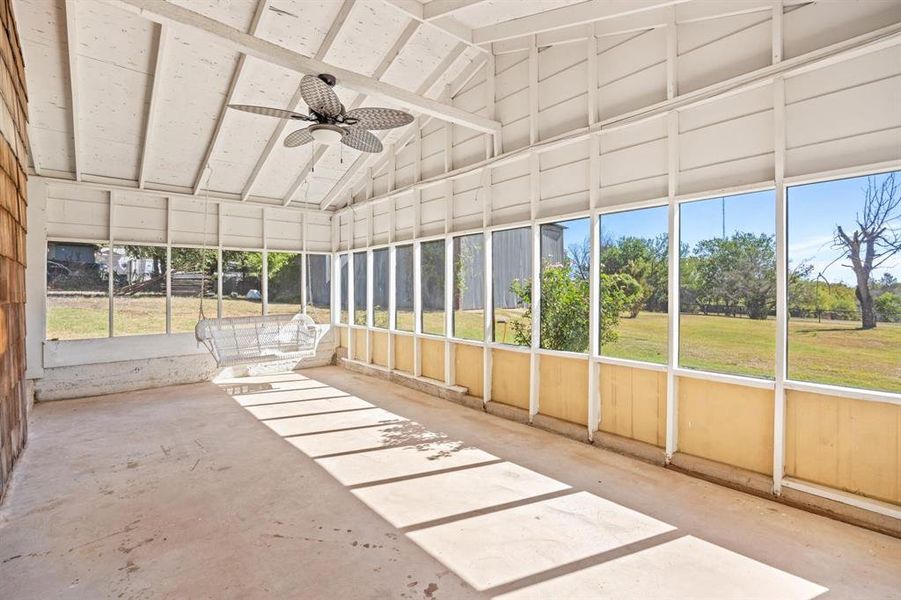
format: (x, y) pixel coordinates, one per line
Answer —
(320, 97)
(298, 138)
(270, 112)
(379, 118)
(360, 139)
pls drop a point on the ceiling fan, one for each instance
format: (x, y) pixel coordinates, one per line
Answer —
(332, 122)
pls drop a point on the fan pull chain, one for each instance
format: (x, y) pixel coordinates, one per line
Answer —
(341, 153)
(312, 162)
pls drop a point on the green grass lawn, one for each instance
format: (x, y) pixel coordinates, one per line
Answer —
(832, 352)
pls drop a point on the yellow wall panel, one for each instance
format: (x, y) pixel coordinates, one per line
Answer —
(403, 353)
(633, 403)
(359, 336)
(563, 388)
(432, 358)
(468, 368)
(852, 445)
(510, 378)
(342, 337)
(380, 348)
(728, 423)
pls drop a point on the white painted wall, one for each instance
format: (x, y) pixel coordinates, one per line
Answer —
(844, 113)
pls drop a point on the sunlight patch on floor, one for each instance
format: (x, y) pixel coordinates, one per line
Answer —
(432, 497)
(676, 570)
(502, 528)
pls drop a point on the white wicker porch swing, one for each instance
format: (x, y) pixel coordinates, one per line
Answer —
(234, 341)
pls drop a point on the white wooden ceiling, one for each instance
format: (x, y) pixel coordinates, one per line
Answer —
(140, 103)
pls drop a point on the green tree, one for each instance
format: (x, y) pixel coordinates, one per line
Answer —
(888, 307)
(644, 260)
(565, 305)
(737, 271)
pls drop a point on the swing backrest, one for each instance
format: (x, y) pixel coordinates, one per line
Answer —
(246, 340)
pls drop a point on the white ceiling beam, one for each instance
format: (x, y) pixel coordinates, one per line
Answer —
(262, 5)
(364, 160)
(72, 44)
(275, 54)
(566, 16)
(462, 79)
(691, 12)
(324, 47)
(442, 22)
(152, 107)
(387, 60)
(444, 8)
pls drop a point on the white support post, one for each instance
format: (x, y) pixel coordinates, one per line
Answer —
(417, 307)
(594, 346)
(534, 358)
(168, 265)
(591, 50)
(449, 375)
(219, 219)
(448, 137)
(303, 263)
(351, 308)
(110, 260)
(392, 302)
(672, 54)
(533, 90)
(781, 257)
(264, 284)
(488, 313)
(369, 307)
(490, 93)
(672, 426)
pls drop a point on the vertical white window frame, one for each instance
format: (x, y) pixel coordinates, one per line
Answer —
(487, 313)
(673, 304)
(779, 148)
(392, 302)
(351, 309)
(169, 265)
(449, 375)
(369, 307)
(417, 307)
(534, 358)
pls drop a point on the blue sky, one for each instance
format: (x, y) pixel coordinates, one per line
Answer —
(813, 212)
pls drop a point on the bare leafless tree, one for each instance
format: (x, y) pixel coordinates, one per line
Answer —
(876, 239)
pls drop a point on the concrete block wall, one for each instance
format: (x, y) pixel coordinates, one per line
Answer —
(13, 226)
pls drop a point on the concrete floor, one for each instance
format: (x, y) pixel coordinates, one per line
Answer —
(328, 484)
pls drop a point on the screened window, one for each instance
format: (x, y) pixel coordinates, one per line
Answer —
(359, 288)
(139, 290)
(343, 265)
(431, 280)
(565, 261)
(633, 284)
(403, 288)
(511, 265)
(319, 287)
(844, 282)
(380, 292)
(241, 283)
(77, 291)
(469, 287)
(727, 282)
(192, 269)
(283, 286)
